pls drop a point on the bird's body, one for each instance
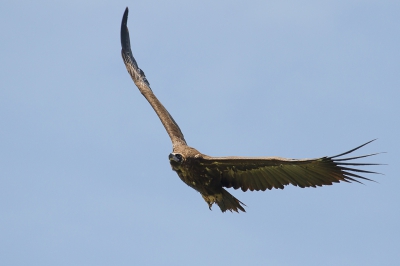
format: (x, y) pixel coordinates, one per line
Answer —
(209, 175)
(193, 169)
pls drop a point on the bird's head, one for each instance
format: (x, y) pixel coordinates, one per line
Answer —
(176, 158)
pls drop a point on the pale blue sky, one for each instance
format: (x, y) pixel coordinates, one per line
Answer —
(84, 159)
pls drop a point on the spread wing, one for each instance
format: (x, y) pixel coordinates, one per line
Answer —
(143, 85)
(274, 172)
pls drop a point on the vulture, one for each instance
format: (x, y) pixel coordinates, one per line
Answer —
(211, 175)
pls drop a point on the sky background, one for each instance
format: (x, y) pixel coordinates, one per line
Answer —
(84, 171)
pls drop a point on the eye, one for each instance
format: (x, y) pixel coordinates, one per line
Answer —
(179, 157)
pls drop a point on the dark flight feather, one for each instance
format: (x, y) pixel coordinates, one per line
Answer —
(261, 173)
(208, 175)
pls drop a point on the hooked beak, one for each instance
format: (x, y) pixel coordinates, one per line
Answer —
(173, 157)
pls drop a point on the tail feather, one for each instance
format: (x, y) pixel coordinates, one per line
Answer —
(225, 201)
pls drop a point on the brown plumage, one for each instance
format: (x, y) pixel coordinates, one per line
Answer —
(208, 175)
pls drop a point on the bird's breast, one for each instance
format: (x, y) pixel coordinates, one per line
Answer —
(196, 177)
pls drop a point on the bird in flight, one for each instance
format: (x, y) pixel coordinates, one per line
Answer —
(210, 175)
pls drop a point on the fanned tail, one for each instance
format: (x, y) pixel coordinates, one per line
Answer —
(225, 201)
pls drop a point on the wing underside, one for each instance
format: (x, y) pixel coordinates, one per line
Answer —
(274, 172)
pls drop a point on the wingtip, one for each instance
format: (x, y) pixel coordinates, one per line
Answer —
(125, 42)
(125, 16)
(350, 151)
